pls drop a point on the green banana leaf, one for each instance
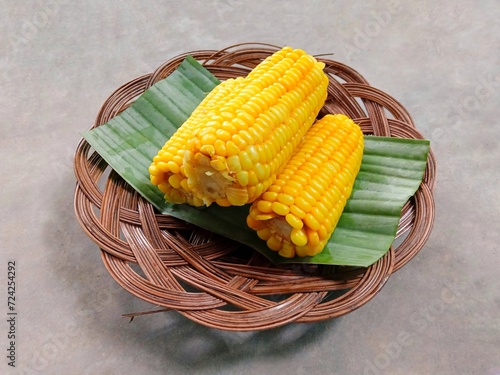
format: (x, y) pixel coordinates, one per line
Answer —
(391, 172)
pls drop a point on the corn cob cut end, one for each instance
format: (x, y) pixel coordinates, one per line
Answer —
(211, 184)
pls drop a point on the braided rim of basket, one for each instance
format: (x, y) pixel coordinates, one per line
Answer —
(218, 282)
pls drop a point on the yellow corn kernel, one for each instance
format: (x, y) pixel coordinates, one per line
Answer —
(294, 221)
(313, 197)
(323, 232)
(164, 187)
(303, 204)
(218, 163)
(291, 191)
(264, 217)
(154, 170)
(297, 211)
(274, 189)
(252, 178)
(156, 180)
(260, 171)
(259, 189)
(242, 177)
(270, 196)
(253, 153)
(312, 237)
(264, 234)
(162, 166)
(280, 208)
(274, 243)
(232, 149)
(224, 202)
(300, 251)
(201, 159)
(175, 181)
(285, 199)
(311, 221)
(287, 250)
(207, 149)
(220, 147)
(223, 135)
(233, 163)
(298, 236)
(265, 206)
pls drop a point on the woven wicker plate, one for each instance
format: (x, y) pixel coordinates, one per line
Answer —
(218, 282)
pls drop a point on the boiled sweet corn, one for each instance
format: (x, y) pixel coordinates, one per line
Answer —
(299, 212)
(240, 137)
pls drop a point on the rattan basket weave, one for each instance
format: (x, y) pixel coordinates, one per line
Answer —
(218, 282)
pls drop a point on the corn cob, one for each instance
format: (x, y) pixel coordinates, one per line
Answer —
(299, 212)
(240, 137)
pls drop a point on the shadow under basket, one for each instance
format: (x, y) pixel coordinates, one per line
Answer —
(215, 281)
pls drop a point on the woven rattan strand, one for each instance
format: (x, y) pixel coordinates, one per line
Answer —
(217, 282)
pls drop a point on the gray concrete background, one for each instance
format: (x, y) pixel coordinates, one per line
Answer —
(61, 59)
